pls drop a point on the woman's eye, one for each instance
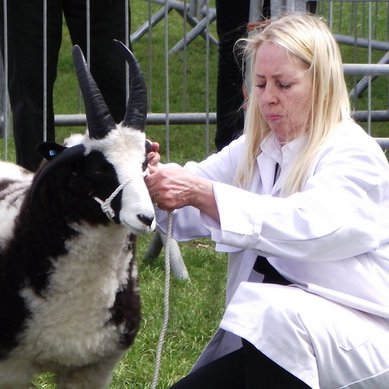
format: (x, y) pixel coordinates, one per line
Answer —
(281, 85)
(284, 85)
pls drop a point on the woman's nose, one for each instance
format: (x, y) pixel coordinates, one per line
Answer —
(269, 95)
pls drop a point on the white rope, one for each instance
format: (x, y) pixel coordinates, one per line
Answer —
(106, 204)
(165, 303)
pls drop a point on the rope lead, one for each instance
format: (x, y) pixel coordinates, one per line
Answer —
(165, 303)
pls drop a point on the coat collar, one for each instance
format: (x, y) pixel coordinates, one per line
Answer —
(273, 153)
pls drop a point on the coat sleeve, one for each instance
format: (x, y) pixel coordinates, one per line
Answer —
(339, 213)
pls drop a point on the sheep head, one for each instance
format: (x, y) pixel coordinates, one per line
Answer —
(108, 150)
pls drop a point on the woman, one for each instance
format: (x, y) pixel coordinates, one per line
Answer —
(301, 204)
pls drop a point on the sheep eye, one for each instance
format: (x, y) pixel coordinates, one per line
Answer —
(97, 166)
(101, 170)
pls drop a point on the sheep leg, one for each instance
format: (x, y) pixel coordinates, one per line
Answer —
(14, 385)
(16, 373)
(97, 375)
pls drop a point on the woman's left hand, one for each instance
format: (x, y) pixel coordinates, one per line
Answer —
(172, 187)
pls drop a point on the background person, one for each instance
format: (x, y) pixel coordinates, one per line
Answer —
(231, 25)
(300, 203)
(25, 56)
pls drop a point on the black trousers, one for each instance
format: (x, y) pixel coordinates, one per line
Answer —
(231, 23)
(25, 53)
(232, 18)
(246, 368)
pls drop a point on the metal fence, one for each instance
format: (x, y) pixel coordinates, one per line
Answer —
(360, 26)
(362, 30)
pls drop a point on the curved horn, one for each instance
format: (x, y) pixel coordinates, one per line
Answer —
(99, 119)
(136, 110)
(65, 157)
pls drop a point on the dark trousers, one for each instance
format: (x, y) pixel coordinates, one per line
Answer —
(231, 23)
(25, 53)
(232, 18)
(246, 368)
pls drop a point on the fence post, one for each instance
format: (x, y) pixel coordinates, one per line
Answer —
(3, 99)
(280, 6)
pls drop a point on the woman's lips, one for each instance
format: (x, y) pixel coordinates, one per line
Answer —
(272, 117)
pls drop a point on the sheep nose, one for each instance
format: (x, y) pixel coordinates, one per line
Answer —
(147, 220)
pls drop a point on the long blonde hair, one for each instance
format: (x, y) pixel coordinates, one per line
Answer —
(308, 38)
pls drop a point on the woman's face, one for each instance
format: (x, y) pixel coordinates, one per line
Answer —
(283, 89)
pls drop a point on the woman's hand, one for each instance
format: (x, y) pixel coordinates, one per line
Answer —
(172, 187)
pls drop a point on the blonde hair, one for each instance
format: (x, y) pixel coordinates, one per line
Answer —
(308, 38)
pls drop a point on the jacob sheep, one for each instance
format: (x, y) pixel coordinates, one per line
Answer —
(69, 302)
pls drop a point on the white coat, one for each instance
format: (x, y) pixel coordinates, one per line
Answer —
(330, 327)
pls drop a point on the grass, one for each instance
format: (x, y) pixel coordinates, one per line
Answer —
(196, 306)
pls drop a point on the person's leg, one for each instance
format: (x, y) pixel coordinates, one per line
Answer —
(231, 23)
(108, 66)
(262, 372)
(246, 368)
(311, 6)
(25, 56)
(224, 373)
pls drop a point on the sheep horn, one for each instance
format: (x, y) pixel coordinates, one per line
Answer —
(136, 110)
(99, 119)
(62, 158)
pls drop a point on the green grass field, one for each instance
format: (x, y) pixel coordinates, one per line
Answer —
(196, 306)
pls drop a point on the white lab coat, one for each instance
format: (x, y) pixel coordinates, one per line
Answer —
(330, 328)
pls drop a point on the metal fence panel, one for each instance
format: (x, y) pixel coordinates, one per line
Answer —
(360, 26)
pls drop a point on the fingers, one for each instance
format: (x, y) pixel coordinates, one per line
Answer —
(155, 201)
(152, 169)
(153, 159)
(165, 186)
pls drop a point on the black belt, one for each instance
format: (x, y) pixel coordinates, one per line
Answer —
(272, 276)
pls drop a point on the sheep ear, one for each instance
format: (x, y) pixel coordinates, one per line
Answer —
(49, 150)
(67, 156)
(136, 111)
(99, 118)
